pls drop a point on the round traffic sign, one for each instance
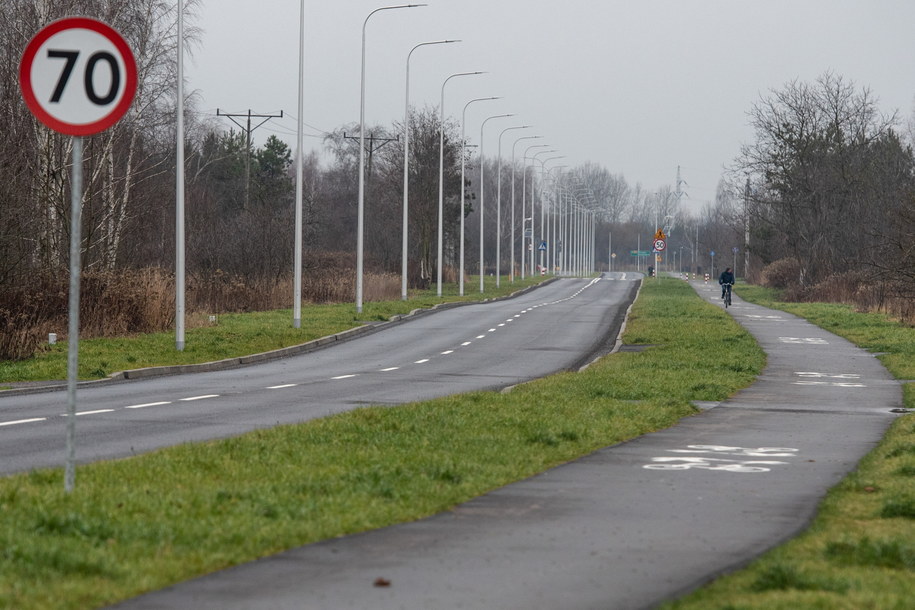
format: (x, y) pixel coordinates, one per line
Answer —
(78, 76)
(659, 245)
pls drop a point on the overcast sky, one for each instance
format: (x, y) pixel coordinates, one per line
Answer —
(640, 87)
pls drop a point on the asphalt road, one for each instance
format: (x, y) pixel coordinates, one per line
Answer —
(626, 527)
(472, 347)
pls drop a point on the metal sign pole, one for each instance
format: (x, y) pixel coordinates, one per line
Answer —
(76, 190)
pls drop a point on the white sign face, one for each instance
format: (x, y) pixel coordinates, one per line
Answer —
(78, 76)
(659, 245)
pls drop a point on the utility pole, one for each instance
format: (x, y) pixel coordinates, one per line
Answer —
(746, 229)
(248, 129)
(370, 146)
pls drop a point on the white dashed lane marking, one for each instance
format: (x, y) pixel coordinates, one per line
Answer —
(148, 404)
(23, 421)
(96, 412)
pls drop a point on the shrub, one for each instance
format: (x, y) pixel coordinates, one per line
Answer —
(782, 274)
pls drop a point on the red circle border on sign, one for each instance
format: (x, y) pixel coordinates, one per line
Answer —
(130, 78)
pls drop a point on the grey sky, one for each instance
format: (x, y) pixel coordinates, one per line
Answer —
(638, 87)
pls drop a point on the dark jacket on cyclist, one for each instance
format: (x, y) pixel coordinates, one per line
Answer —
(726, 278)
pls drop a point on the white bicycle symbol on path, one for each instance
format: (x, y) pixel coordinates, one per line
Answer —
(706, 462)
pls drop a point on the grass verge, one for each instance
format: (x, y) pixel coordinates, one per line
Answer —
(143, 523)
(235, 335)
(860, 550)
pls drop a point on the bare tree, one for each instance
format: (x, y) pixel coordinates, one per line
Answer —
(812, 160)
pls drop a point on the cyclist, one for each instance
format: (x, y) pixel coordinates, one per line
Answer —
(725, 279)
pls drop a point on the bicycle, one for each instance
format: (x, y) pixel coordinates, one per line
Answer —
(727, 295)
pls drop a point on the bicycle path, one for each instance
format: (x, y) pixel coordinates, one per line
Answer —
(628, 526)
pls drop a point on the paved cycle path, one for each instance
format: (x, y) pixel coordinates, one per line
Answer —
(625, 527)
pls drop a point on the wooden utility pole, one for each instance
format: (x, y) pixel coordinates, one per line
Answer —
(248, 129)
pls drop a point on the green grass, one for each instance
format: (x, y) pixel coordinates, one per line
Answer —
(860, 550)
(140, 524)
(235, 335)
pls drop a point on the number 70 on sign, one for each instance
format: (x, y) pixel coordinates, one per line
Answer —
(78, 76)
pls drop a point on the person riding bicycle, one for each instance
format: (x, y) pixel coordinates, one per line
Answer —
(726, 279)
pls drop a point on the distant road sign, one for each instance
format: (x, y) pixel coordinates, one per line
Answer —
(542, 246)
(639, 252)
(659, 245)
(78, 76)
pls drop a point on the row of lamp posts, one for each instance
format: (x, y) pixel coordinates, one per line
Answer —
(554, 222)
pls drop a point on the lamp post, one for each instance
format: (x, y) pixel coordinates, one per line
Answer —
(441, 178)
(482, 184)
(360, 231)
(406, 167)
(542, 180)
(524, 197)
(524, 194)
(299, 170)
(463, 181)
(512, 270)
(533, 158)
(551, 235)
(499, 205)
(542, 212)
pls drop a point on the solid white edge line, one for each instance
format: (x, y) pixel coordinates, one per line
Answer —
(23, 421)
(190, 398)
(149, 404)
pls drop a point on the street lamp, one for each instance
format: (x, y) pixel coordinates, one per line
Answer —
(523, 208)
(542, 214)
(441, 176)
(486, 120)
(524, 195)
(499, 205)
(406, 166)
(512, 272)
(463, 145)
(360, 231)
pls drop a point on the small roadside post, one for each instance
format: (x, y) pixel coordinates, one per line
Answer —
(78, 77)
(660, 243)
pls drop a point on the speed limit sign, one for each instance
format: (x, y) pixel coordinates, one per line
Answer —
(78, 76)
